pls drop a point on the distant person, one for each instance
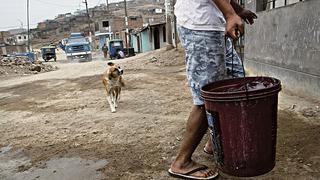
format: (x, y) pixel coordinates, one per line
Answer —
(120, 54)
(61, 46)
(105, 50)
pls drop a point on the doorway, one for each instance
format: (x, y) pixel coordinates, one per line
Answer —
(156, 38)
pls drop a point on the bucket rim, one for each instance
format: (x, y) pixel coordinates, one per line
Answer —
(256, 93)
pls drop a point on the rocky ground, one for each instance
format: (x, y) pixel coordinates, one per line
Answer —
(21, 66)
(58, 125)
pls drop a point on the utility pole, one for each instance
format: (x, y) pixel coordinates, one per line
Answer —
(169, 23)
(107, 5)
(127, 28)
(90, 31)
(85, 1)
(28, 21)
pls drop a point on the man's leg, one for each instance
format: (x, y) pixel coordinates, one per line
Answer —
(205, 54)
(196, 128)
(234, 70)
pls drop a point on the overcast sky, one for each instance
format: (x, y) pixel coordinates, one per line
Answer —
(13, 12)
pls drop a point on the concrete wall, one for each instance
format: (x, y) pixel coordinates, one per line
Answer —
(285, 43)
(10, 49)
(162, 31)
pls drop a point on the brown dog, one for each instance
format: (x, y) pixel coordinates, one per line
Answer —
(112, 80)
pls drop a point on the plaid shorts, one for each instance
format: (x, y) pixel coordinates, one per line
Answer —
(207, 59)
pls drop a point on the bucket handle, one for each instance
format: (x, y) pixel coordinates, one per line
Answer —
(234, 41)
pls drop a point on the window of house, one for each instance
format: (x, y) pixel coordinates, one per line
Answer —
(164, 34)
(25, 37)
(241, 2)
(19, 37)
(263, 5)
(133, 18)
(105, 24)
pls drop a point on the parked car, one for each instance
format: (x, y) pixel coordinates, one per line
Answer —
(116, 50)
(48, 52)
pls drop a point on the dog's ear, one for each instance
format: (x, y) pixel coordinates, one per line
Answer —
(110, 64)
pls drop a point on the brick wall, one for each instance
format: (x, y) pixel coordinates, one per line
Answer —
(118, 23)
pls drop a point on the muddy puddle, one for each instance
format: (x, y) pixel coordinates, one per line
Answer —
(15, 165)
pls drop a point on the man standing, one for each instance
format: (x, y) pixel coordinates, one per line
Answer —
(203, 25)
(105, 50)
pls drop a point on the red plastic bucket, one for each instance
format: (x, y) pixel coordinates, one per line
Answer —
(242, 118)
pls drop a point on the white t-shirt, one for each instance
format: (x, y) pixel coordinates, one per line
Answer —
(199, 15)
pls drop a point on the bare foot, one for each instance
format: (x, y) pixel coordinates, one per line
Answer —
(192, 169)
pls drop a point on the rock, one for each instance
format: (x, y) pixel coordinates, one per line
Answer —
(37, 62)
(307, 168)
(35, 68)
(153, 59)
(21, 62)
(22, 66)
(308, 113)
(28, 63)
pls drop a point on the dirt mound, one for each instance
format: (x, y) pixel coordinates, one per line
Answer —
(163, 57)
(19, 66)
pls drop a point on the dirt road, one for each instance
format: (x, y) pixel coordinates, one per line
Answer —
(57, 125)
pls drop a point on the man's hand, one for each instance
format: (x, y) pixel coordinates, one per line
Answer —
(234, 27)
(248, 16)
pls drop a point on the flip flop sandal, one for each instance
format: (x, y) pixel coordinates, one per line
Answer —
(189, 176)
